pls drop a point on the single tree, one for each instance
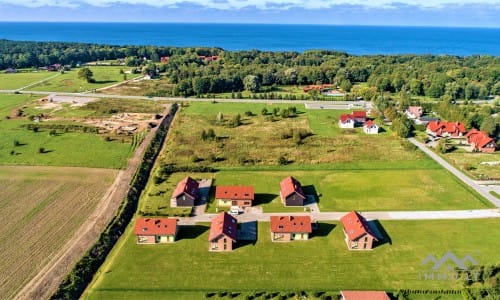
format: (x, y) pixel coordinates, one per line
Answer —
(86, 74)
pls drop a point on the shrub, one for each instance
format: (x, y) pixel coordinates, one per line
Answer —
(41, 150)
(248, 113)
(282, 160)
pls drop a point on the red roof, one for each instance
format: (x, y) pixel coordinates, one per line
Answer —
(155, 226)
(188, 185)
(291, 185)
(449, 127)
(225, 224)
(234, 192)
(472, 132)
(369, 123)
(345, 117)
(364, 295)
(359, 114)
(479, 138)
(291, 224)
(356, 226)
(435, 125)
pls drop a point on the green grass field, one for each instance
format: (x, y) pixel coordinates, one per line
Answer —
(63, 149)
(321, 264)
(18, 80)
(41, 208)
(69, 81)
(259, 141)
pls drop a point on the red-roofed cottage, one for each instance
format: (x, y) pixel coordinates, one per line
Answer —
(364, 295)
(185, 193)
(346, 121)
(155, 230)
(359, 116)
(291, 192)
(241, 196)
(480, 141)
(289, 228)
(223, 232)
(438, 128)
(370, 127)
(358, 234)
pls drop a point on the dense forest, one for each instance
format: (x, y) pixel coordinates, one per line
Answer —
(451, 77)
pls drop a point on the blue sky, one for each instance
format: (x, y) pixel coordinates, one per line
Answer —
(456, 13)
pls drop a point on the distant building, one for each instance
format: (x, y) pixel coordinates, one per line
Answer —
(370, 127)
(223, 232)
(364, 295)
(155, 230)
(346, 121)
(414, 112)
(480, 141)
(445, 129)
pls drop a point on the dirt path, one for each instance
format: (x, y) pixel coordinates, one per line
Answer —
(45, 283)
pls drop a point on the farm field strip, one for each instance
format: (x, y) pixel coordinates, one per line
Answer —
(19, 80)
(42, 207)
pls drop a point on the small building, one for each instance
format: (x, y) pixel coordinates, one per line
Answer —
(370, 127)
(155, 230)
(364, 295)
(445, 129)
(164, 59)
(185, 193)
(358, 234)
(346, 121)
(480, 141)
(359, 116)
(10, 70)
(241, 196)
(223, 232)
(291, 192)
(290, 228)
(414, 112)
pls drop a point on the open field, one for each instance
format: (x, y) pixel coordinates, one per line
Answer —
(18, 80)
(474, 165)
(320, 264)
(141, 88)
(20, 145)
(69, 81)
(41, 207)
(261, 141)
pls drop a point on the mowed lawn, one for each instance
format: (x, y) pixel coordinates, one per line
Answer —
(18, 80)
(70, 82)
(364, 190)
(322, 263)
(40, 209)
(260, 141)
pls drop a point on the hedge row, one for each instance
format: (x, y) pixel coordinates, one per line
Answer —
(81, 275)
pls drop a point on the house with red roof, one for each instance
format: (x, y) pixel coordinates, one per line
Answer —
(223, 232)
(364, 295)
(185, 193)
(414, 112)
(358, 234)
(241, 196)
(155, 230)
(291, 192)
(445, 129)
(346, 121)
(290, 228)
(164, 59)
(480, 141)
(370, 127)
(359, 116)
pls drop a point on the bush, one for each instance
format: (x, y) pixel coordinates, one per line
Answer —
(248, 113)
(41, 150)
(282, 160)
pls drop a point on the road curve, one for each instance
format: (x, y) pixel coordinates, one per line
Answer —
(457, 173)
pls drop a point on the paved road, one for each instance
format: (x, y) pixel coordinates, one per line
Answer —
(483, 192)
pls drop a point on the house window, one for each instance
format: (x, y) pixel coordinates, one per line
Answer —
(364, 246)
(247, 202)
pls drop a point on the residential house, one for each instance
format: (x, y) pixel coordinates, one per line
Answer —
(358, 234)
(346, 121)
(414, 112)
(290, 228)
(155, 230)
(185, 193)
(364, 295)
(359, 116)
(370, 127)
(291, 192)
(223, 232)
(445, 129)
(480, 141)
(241, 196)
(164, 59)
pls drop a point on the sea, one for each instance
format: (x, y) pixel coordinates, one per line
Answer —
(356, 40)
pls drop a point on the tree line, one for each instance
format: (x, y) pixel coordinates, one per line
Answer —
(435, 76)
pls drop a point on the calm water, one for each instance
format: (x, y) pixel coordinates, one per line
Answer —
(352, 39)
